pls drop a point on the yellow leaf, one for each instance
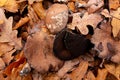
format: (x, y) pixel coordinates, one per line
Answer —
(11, 5)
(80, 72)
(114, 4)
(116, 22)
(102, 73)
(2, 2)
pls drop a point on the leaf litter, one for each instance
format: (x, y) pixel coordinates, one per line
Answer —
(26, 41)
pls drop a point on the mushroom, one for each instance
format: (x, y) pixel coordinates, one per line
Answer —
(56, 17)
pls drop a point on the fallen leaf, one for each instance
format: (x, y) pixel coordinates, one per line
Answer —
(39, 9)
(7, 57)
(52, 77)
(111, 77)
(1, 76)
(68, 66)
(114, 4)
(79, 72)
(21, 22)
(115, 22)
(4, 48)
(71, 6)
(113, 69)
(2, 64)
(31, 1)
(94, 5)
(11, 5)
(9, 68)
(106, 13)
(2, 3)
(87, 19)
(90, 76)
(102, 73)
(7, 34)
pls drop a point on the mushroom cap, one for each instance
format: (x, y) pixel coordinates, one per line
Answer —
(56, 17)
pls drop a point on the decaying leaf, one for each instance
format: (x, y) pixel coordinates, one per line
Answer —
(90, 76)
(16, 64)
(79, 72)
(115, 22)
(2, 2)
(71, 6)
(2, 64)
(21, 22)
(114, 4)
(7, 57)
(32, 1)
(39, 54)
(106, 13)
(113, 69)
(38, 8)
(11, 5)
(7, 34)
(94, 5)
(68, 66)
(87, 19)
(52, 77)
(4, 48)
(102, 73)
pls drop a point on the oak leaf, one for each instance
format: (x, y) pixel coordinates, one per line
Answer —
(115, 22)
(7, 34)
(87, 19)
(94, 5)
(113, 69)
(2, 64)
(7, 57)
(114, 4)
(80, 72)
(102, 73)
(4, 48)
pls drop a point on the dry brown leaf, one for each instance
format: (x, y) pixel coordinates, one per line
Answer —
(11, 5)
(16, 64)
(94, 5)
(7, 35)
(40, 11)
(39, 54)
(113, 69)
(1, 76)
(68, 66)
(21, 22)
(15, 73)
(71, 6)
(80, 72)
(32, 1)
(90, 76)
(2, 2)
(87, 19)
(52, 77)
(114, 4)
(4, 48)
(105, 13)
(33, 16)
(110, 68)
(7, 57)
(102, 73)
(115, 22)
(2, 64)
